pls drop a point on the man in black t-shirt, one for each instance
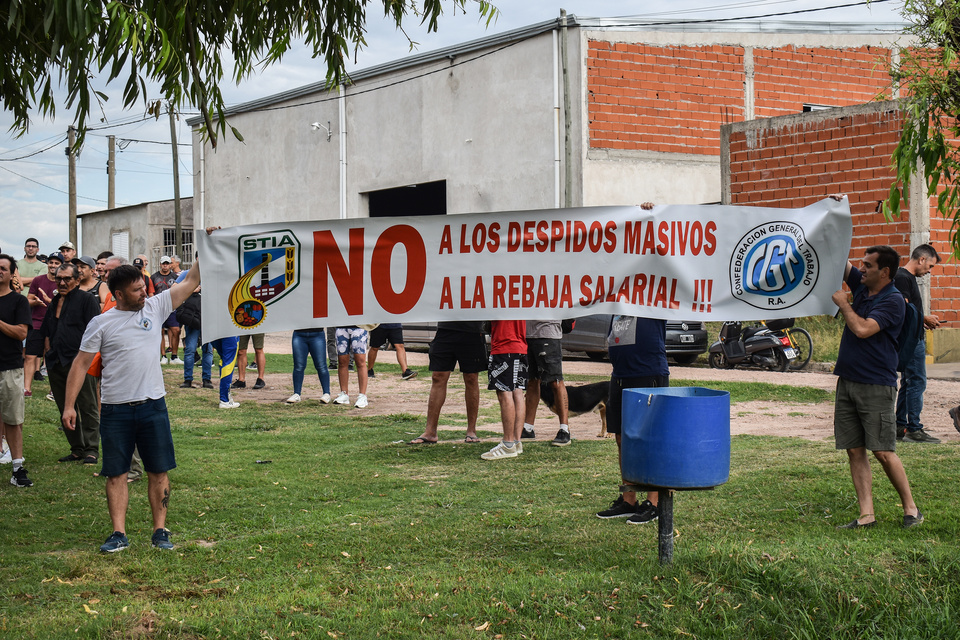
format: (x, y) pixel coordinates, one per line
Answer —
(913, 380)
(14, 322)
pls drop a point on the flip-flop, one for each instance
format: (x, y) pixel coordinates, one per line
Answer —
(422, 440)
(471, 439)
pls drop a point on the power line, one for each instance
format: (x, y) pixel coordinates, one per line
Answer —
(30, 155)
(46, 186)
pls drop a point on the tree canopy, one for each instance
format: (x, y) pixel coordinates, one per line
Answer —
(180, 44)
(929, 75)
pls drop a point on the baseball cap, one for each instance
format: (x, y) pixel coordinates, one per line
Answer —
(87, 260)
(67, 245)
(165, 260)
(56, 255)
(138, 263)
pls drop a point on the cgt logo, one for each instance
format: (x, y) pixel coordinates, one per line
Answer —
(269, 269)
(773, 266)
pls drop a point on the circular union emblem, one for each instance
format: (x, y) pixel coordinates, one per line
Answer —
(249, 313)
(773, 266)
(145, 324)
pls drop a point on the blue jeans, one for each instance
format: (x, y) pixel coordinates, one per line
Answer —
(314, 342)
(190, 339)
(913, 382)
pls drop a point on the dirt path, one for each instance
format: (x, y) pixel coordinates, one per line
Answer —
(388, 394)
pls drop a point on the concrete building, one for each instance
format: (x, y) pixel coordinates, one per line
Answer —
(562, 113)
(147, 228)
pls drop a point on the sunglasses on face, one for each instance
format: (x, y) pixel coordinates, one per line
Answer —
(63, 278)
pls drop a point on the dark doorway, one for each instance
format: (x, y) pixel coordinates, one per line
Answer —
(427, 199)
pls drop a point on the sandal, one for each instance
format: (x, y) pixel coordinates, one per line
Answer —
(422, 440)
(471, 439)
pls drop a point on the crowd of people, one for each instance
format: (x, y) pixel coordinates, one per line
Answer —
(89, 324)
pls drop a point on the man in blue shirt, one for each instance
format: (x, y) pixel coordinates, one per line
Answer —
(864, 413)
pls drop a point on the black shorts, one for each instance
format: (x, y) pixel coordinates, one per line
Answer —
(507, 372)
(544, 359)
(451, 347)
(615, 403)
(380, 336)
(34, 346)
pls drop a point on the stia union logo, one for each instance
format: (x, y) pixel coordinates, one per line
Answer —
(773, 266)
(269, 269)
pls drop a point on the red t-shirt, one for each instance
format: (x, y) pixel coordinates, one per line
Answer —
(49, 287)
(508, 336)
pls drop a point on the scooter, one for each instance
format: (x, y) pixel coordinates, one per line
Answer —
(753, 346)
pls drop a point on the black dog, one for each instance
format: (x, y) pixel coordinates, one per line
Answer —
(582, 399)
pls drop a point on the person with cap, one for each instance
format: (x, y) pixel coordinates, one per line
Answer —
(66, 319)
(69, 251)
(140, 262)
(40, 295)
(88, 279)
(162, 281)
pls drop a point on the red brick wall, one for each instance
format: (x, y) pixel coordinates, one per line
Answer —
(668, 99)
(674, 98)
(785, 79)
(796, 164)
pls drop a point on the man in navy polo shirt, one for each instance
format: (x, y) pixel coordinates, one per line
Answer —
(865, 409)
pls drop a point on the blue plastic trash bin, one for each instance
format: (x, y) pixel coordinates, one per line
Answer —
(676, 437)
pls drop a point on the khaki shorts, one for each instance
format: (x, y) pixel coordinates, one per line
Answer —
(245, 341)
(864, 415)
(11, 396)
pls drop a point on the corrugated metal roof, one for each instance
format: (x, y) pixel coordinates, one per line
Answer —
(603, 24)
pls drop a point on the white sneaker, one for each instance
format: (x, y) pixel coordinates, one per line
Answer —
(294, 399)
(176, 360)
(164, 360)
(519, 447)
(229, 404)
(50, 397)
(252, 366)
(6, 458)
(500, 451)
(43, 370)
(361, 401)
(342, 399)
(325, 398)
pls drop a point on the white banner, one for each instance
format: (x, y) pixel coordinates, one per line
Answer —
(675, 262)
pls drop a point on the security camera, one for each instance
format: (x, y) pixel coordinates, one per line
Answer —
(315, 126)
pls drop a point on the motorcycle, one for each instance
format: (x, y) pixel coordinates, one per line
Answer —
(754, 346)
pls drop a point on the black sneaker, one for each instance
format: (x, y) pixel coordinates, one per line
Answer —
(912, 521)
(161, 539)
(259, 384)
(920, 436)
(186, 384)
(238, 384)
(38, 376)
(527, 434)
(646, 512)
(116, 542)
(207, 384)
(371, 373)
(619, 509)
(562, 439)
(955, 416)
(20, 479)
(409, 373)
(901, 431)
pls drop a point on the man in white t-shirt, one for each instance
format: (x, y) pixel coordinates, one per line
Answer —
(133, 411)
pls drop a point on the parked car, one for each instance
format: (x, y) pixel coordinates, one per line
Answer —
(685, 339)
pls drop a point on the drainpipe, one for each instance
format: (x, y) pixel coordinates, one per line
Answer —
(556, 120)
(341, 102)
(202, 224)
(567, 146)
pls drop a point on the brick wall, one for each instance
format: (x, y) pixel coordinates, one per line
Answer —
(674, 98)
(795, 161)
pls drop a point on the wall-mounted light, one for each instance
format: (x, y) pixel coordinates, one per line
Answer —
(316, 126)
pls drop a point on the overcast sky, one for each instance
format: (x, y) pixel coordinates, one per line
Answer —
(33, 191)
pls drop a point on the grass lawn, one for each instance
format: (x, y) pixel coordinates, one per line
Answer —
(348, 534)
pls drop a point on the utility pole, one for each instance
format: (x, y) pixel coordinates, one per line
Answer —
(72, 181)
(178, 242)
(111, 172)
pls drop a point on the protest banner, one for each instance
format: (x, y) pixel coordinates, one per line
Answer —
(673, 262)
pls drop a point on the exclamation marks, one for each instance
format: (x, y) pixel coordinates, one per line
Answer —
(702, 296)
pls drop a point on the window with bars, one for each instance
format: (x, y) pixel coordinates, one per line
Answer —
(170, 235)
